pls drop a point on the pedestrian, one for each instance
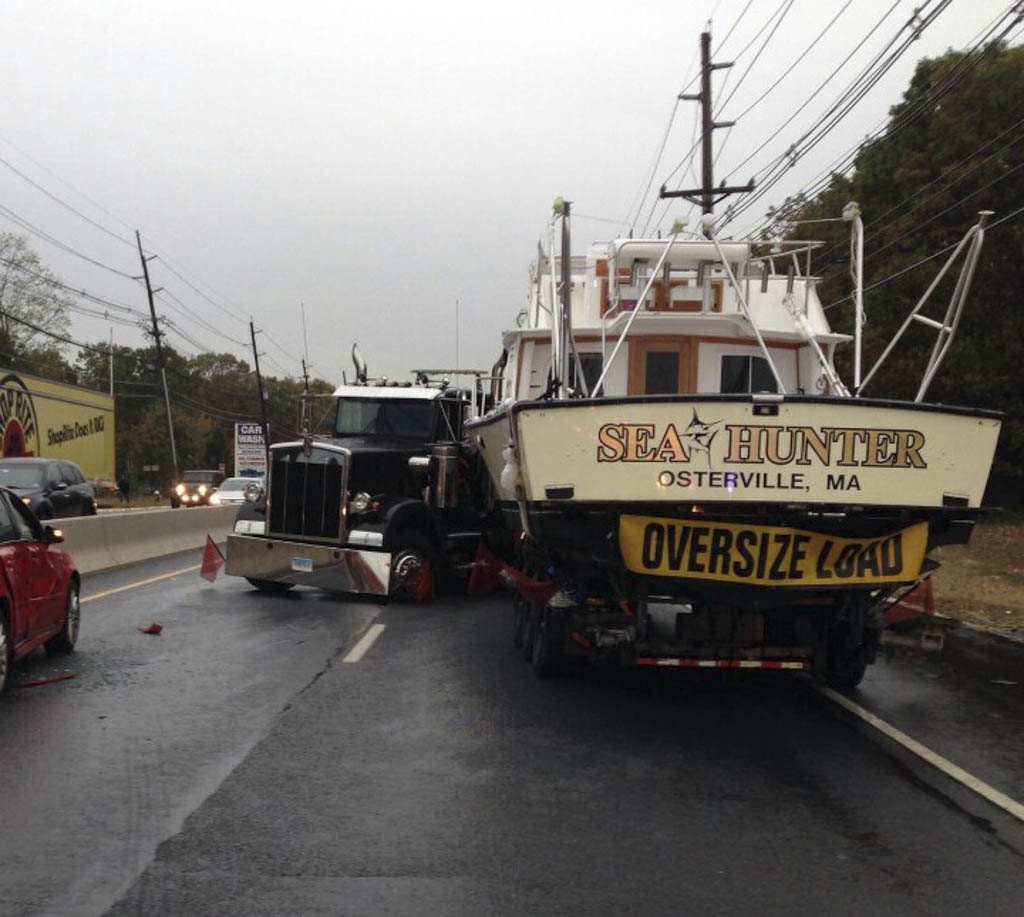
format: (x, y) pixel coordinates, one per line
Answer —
(124, 488)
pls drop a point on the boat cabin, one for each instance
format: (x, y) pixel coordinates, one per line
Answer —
(692, 329)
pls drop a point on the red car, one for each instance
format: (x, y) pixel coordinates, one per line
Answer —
(39, 587)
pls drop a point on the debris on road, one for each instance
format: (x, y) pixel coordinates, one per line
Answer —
(154, 628)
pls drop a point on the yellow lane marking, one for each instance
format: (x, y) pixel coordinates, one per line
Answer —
(141, 582)
(936, 760)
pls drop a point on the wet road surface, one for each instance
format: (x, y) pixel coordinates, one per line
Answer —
(438, 775)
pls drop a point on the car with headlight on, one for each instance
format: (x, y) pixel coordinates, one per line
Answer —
(39, 591)
(195, 488)
(232, 491)
(49, 487)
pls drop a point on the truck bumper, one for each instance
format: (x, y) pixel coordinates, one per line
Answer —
(333, 568)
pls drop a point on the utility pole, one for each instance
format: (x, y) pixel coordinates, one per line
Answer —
(263, 400)
(159, 352)
(305, 400)
(707, 195)
(111, 362)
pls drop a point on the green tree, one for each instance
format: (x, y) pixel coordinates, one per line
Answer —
(945, 156)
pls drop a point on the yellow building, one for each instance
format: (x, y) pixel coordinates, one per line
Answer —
(54, 420)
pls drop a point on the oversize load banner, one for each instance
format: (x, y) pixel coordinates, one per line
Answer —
(756, 555)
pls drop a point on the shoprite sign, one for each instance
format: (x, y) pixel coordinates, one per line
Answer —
(50, 419)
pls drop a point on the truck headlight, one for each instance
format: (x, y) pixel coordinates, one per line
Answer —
(202, 490)
(214, 500)
(359, 503)
(253, 492)
(180, 489)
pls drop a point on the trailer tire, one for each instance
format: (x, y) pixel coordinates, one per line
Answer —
(847, 670)
(269, 586)
(547, 650)
(520, 611)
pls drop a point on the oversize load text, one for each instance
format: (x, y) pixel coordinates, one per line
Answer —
(767, 555)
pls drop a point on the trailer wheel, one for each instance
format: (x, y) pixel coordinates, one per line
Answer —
(547, 654)
(520, 610)
(845, 665)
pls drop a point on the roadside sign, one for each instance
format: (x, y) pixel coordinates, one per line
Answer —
(250, 451)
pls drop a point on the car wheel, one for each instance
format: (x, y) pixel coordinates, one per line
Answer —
(175, 504)
(65, 641)
(5, 653)
(269, 586)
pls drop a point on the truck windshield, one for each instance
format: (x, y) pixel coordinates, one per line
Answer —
(385, 417)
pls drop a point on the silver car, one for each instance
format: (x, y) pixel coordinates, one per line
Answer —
(232, 490)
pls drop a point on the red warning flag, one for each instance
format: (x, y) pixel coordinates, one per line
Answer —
(486, 572)
(213, 560)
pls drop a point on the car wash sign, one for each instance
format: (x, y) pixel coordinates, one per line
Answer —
(250, 451)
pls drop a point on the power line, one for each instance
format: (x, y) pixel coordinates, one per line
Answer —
(64, 204)
(917, 264)
(19, 220)
(892, 128)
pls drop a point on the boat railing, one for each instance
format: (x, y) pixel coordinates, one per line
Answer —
(946, 328)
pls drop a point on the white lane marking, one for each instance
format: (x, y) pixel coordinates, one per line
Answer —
(936, 760)
(141, 582)
(363, 646)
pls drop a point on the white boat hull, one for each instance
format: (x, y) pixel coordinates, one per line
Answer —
(730, 450)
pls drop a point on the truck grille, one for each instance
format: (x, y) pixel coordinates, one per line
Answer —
(307, 493)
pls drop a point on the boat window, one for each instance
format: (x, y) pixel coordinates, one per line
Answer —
(592, 364)
(662, 372)
(742, 375)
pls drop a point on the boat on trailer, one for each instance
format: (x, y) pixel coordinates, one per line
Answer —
(680, 462)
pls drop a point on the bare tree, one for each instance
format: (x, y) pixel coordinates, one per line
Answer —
(33, 304)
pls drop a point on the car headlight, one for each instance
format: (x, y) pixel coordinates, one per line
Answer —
(360, 502)
(214, 500)
(180, 489)
(26, 500)
(202, 489)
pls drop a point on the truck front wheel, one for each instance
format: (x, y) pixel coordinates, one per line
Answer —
(412, 570)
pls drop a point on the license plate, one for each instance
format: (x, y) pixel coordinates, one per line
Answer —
(761, 555)
(302, 564)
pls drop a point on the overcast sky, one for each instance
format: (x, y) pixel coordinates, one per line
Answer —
(379, 161)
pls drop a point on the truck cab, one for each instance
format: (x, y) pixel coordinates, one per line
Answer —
(387, 504)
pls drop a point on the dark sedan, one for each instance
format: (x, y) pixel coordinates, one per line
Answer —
(49, 487)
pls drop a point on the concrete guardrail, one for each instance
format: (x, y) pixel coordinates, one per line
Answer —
(115, 539)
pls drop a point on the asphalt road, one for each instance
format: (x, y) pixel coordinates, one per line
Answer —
(236, 764)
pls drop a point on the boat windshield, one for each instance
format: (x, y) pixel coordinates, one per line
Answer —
(385, 417)
(21, 475)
